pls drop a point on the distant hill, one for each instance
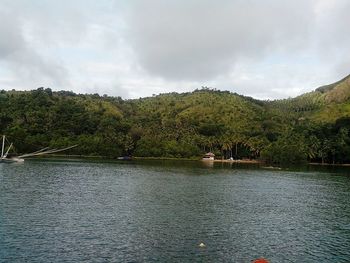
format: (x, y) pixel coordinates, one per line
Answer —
(183, 125)
(326, 104)
(335, 101)
(330, 87)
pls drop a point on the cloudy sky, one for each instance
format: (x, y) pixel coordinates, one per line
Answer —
(134, 48)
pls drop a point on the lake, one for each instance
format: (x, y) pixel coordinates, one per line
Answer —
(160, 211)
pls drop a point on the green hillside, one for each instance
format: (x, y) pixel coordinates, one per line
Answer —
(336, 101)
(314, 126)
(189, 124)
(326, 104)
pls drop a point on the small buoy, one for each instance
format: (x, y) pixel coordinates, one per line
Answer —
(202, 245)
(260, 260)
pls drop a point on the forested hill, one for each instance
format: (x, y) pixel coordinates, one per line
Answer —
(325, 104)
(314, 126)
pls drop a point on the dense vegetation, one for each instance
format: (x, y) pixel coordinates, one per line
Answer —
(311, 127)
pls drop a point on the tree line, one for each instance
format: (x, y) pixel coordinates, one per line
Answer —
(174, 125)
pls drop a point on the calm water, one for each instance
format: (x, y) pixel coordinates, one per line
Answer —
(160, 211)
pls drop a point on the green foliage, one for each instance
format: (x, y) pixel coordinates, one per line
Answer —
(41, 118)
(313, 126)
(288, 149)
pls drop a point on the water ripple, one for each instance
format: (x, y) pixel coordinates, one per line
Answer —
(115, 212)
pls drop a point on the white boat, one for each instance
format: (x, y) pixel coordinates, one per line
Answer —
(11, 160)
(4, 154)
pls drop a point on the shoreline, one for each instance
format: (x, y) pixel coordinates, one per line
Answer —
(243, 161)
(330, 164)
(237, 161)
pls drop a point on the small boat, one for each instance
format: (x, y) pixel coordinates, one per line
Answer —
(11, 160)
(4, 154)
(7, 159)
(125, 158)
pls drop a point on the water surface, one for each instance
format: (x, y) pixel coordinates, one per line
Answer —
(160, 211)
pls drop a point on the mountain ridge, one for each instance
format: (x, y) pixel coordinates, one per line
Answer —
(182, 124)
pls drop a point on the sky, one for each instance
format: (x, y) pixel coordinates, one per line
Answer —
(267, 49)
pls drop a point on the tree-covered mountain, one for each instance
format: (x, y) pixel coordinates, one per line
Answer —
(325, 104)
(314, 126)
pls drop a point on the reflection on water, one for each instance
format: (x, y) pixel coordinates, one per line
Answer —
(160, 211)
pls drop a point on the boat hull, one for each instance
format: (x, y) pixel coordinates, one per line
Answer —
(11, 160)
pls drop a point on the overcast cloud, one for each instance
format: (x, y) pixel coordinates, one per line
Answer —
(265, 49)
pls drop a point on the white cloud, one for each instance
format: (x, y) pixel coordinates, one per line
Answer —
(265, 49)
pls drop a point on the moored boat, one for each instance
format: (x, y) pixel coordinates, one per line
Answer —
(4, 157)
(4, 154)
